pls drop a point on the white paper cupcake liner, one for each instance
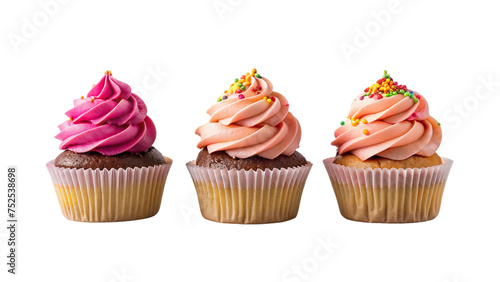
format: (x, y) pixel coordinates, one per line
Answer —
(249, 196)
(102, 195)
(388, 195)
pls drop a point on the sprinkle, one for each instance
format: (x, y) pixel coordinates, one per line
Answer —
(365, 131)
(108, 72)
(269, 100)
(238, 91)
(257, 93)
(219, 99)
(81, 97)
(264, 98)
(239, 84)
(254, 71)
(342, 123)
(92, 99)
(70, 119)
(361, 98)
(259, 88)
(407, 94)
(415, 100)
(258, 76)
(243, 87)
(439, 124)
(355, 122)
(224, 97)
(286, 105)
(247, 83)
(236, 80)
(273, 99)
(364, 121)
(241, 96)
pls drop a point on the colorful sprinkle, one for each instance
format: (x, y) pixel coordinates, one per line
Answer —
(365, 131)
(364, 121)
(269, 100)
(81, 97)
(241, 96)
(224, 97)
(219, 99)
(342, 123)
(387, 87)
(439, 124)
(107, 72)
(273, 99)
(354, 122)
(264, 98)
(258, 75)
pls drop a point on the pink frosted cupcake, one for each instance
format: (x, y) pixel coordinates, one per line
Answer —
(109, 170)
(387, 168)
(248, 169)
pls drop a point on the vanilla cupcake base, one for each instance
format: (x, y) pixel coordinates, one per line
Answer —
(102, 195)
(249, 196)
(388, 195)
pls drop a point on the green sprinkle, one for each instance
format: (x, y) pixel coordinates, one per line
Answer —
(236, 80)
(219, 99)
(258, 76)
(439, 124)
(243, 87)
(388, 95)
(342, 123)
(239, 84)
(411, 95)
(415, 100)
(385, 72)
(401, 91)
(407, 94)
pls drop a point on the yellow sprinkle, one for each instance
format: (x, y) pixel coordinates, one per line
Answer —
(247, 83)
(108, 72)
(364, 121)
(264, 98)
(269, 100)
(254, 70)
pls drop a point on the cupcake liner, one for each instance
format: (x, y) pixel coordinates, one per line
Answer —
(102, 195)
(388, 195)
(249, 196)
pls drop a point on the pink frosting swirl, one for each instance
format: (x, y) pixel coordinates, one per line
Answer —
(111, 120)
(394, 127)
(255, 121)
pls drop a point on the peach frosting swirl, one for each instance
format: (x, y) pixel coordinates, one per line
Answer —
(392, 122)
(250, 119)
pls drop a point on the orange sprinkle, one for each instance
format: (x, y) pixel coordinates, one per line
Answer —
(355, 122)
(108, 72)
(92, 99)
(365, 131)
(70, 119)
(81, 97)
(364, 121)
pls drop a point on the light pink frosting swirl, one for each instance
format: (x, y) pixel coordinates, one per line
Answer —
(246, 124)
(398, 128)
(111, 120)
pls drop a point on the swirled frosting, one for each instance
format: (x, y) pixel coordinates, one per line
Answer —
(110, 120)
(250, 119)
(389, 121)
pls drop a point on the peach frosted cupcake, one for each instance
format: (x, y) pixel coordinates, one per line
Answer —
(387, 168)
(248, 169)
(109, 170)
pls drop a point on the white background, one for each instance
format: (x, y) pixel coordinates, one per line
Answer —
(446, 51)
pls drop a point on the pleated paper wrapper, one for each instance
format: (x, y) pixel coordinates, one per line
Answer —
(102, 195)
(249, 196)
(388, 195)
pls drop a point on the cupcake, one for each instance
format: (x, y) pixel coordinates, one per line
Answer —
(248, 169)
(386, 169)
(108, 170)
